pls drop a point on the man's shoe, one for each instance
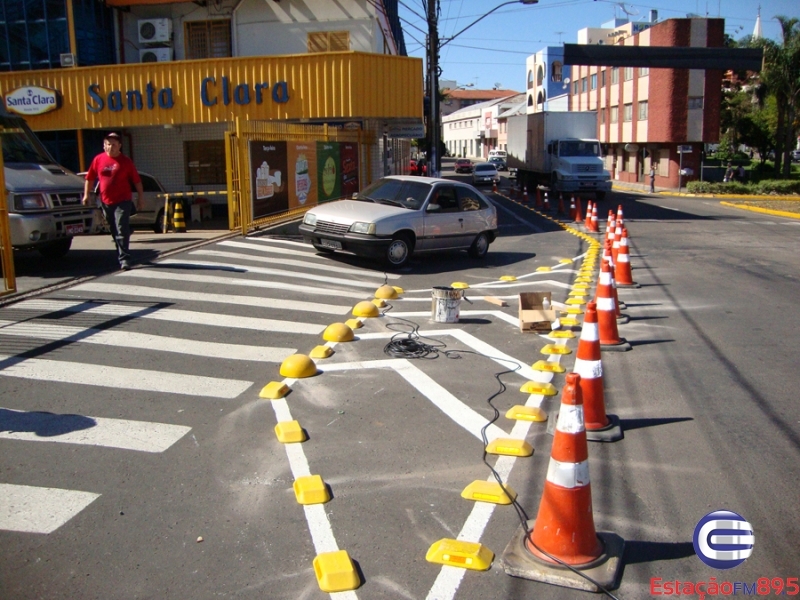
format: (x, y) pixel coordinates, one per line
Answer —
(124, 266)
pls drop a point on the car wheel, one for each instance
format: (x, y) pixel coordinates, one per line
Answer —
(56, 249)
(480, 246)
(323, 249)
(399, 251)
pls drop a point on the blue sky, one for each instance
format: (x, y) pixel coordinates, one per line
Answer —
(493, 51)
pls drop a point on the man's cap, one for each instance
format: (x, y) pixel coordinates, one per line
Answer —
(112, 136)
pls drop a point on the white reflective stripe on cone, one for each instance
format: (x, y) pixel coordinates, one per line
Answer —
(623, 258)
(568, 475)
(605, 278)
(590, 332)
(606, 304)
(570, 419)
(588, 369)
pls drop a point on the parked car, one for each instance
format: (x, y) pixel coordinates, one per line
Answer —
(499, 163)
(400, 215)
(463, 165)
(151, 213)
(484, 173)
(796, 155)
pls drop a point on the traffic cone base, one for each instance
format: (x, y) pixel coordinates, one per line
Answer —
(621, 346)
(610, 433)
(605, 570)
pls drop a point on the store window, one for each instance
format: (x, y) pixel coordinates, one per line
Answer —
(204, 162)
(208, 39)
(328, 41)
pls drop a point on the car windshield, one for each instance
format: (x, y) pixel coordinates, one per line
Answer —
(579, 149)
(484, 167)
(408, 194)
(17, 148)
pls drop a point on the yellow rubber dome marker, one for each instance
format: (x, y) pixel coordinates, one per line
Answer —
(365, 309)
(459, 285)
(338, 332)
(386, 292)
(298, 366)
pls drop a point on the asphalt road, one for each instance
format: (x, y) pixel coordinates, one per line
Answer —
(157, 438)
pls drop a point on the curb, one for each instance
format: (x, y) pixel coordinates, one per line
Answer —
(766, 211)
(688, 195)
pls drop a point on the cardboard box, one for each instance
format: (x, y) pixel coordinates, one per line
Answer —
(532, 316)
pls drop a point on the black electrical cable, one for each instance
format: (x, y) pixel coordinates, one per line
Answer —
(412, 347)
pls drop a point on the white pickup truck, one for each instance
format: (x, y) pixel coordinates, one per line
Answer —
(43, 198)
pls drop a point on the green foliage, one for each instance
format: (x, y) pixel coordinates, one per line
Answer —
(781, 187)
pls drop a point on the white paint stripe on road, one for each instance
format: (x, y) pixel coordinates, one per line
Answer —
(132, 339)
(515, 216)
(228, 281)
(142, 436)
(170, 314)
(264, 271)
(39, 510)
(204, 297)
(119, 377)
(265, 240)
(464, 313)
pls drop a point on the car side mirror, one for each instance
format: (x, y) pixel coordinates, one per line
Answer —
(433, 208)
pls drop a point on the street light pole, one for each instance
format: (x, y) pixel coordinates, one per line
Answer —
(434, 119)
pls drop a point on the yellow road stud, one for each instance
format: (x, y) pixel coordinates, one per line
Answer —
(576, 301)
(290, 432)
(573, 310)
(398, 289)
(354, 323)
(321, 352)
(543, 269)
(526, 413)
(459, 285)
(547, 367)
(561, 335)
(566, 261)
(274, 390)
(570, 323)
(555, 349)
(311, 490)
(336, 572)
(509, 447)
(455, 553)
(489, 491)
(508, 278)
(537, 387)
(379, 302)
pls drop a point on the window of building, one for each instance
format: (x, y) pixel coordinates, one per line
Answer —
(643, 110)
(696, 102)
(208, 39)
(204, 162)
(555, 70)
(627, 112)
(583, 84)
(663, 162)
(614, 75)
(593, 81)
(603, 78)
(644, 71)
(602, 116)
(328, 41)
(574, 87)
(614, 114)
(628, 74)
(539, 75)
(530, 79)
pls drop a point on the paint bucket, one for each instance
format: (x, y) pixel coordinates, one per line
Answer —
(445, 302)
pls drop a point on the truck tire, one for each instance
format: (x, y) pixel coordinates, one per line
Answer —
(56, 249)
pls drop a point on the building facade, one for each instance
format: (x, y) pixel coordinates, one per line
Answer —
(173, 76)
(474, 130)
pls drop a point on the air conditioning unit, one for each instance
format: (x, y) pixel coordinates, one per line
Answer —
(155, 30)
(155, 54)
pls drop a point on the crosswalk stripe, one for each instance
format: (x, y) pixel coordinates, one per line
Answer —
(121, 377)
(266, 271)
(265, 240)
(131, 339)
(275, 285)
(206, 297)
(141, 436)
(170, 314)
(39, 510)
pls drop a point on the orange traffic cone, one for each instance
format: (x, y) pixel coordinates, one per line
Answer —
(617, 237)
(612, 269)
(611, 225)
(494, 186)
(560, 210)
(564, 531)
(600, 427)
(595, 227)
(607, 312)
(588, 222)
(538, 198)
(622, 267)
(578, 215)
(620, 220)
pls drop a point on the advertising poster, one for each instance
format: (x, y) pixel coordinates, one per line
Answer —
(348, 152)
(268, 174)
(328, 173)
(302, 174)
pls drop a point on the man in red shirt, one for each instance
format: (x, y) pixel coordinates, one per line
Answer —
(117, 174)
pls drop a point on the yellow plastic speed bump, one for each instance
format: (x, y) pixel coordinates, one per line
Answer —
(576, 301)
(583, 279)
(561, 335)
(290, 432)
(379, 302)
(365, 309)
(336, 572)
(508, 278)
(338, 332)
(570, 322)
(489, 491)
(321, 352)
(455, 553)
(311, 490)
(573, 310)
(580, 285)
(387, 292)
(274, 390)
(555, 349)
(459, 285)
(578, 293)
(547, 367)
(354, 323)
(298, 366)
(566, 261)
(526, 413)
(537, 387)
(509, 447)
(543, 269)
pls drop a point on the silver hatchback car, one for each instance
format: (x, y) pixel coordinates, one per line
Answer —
(398, 216)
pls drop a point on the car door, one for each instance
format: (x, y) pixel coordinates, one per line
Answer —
(443, 226)
(151, 203)
(472, 212)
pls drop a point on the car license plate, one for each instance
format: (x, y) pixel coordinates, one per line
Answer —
(331, 244)
(74, 229)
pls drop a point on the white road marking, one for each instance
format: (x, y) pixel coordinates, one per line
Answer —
(518, 218)
(141, 436)
(464, 313)
(170, 314)
(204, 297)
(119, 377)
(131, 339)
(39, 510)
(275, 285)
(265, 240)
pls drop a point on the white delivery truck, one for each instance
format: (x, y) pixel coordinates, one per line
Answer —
(559, 150)
(43, 198)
